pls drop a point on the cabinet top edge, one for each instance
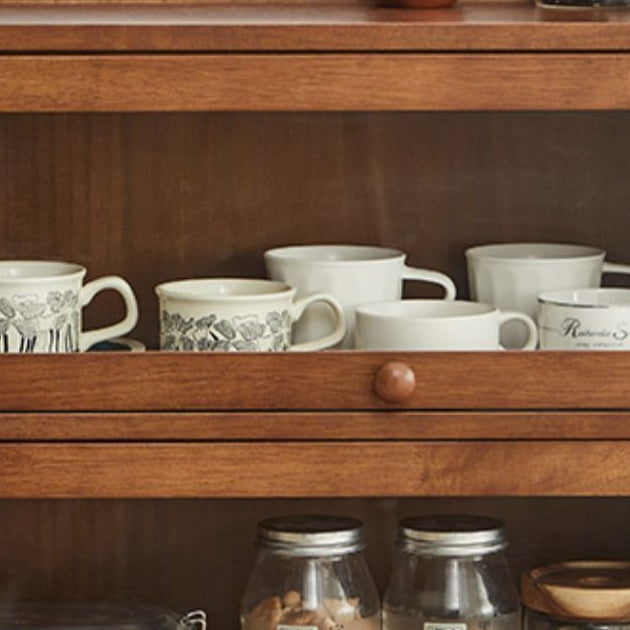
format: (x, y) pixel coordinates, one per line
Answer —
(470, 25)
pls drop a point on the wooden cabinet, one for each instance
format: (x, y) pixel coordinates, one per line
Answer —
(312, 426)
(164, 140)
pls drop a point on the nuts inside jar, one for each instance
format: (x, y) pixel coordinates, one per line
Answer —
(288, 610)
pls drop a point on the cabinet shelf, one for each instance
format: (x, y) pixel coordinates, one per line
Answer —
(156, 381)
(189, 189)
(202, 57)
(310, 425)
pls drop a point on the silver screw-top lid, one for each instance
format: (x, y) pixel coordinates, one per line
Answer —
(452, 534)
(311, 534)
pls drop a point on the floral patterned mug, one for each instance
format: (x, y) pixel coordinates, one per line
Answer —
(238, 314)
(41, 303)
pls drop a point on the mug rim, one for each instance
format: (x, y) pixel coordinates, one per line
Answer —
(569, 297)
(68, 270)
(191, 289)
(289, 253)
(500, 252)
(382, 311)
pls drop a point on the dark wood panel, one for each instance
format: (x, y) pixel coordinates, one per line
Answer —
(307, 82)
(305, 26)
(160, 196)
(314, 469)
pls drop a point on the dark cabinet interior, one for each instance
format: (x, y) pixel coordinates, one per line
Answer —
(170, 195)
(185, 554)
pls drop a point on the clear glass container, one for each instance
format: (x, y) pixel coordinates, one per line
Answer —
(450, 573)
(95, 616)
(310, 573)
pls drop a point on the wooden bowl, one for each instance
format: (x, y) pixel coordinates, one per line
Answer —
(586, 590)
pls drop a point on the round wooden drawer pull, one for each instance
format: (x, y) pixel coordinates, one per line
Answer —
(395, 382)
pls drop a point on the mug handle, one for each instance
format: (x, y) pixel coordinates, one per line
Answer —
(615, 268)
(436, 277)
(299, 306)
(532, 340)
(89, 290)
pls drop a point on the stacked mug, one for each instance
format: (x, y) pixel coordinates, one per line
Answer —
(309, 303)
(559, 286)
(368, 281)
(330, 296)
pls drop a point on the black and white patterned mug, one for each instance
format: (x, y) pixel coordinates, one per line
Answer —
(41, 305)
(238, 314)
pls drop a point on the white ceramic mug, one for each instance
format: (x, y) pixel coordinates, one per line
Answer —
(354, 274)
(435, 325)
(511, 275)
(584, 319)
(41, 305)
(238, 314)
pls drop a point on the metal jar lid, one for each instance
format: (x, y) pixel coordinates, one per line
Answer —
(592, 590)
(451, 535)
(311, 534)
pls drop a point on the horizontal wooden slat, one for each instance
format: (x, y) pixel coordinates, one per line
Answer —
(300, 82)
(155, 381)
(320, 469)
(306, 26)
(367, 425)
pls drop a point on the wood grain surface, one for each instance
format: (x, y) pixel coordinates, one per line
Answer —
(515, 25)
(309, 426)
(306, 82)
(315, 469)
(319, 381)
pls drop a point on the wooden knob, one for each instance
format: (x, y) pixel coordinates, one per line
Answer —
(395, 382)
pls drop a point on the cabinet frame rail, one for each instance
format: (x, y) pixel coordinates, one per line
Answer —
(315, 469)
(368, 81)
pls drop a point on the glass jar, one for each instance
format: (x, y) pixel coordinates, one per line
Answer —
(310, 573)
(582, 595)
(450, 573)
(95, 616)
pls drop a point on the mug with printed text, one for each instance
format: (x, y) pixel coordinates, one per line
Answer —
(584, 319)
(512, 275)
